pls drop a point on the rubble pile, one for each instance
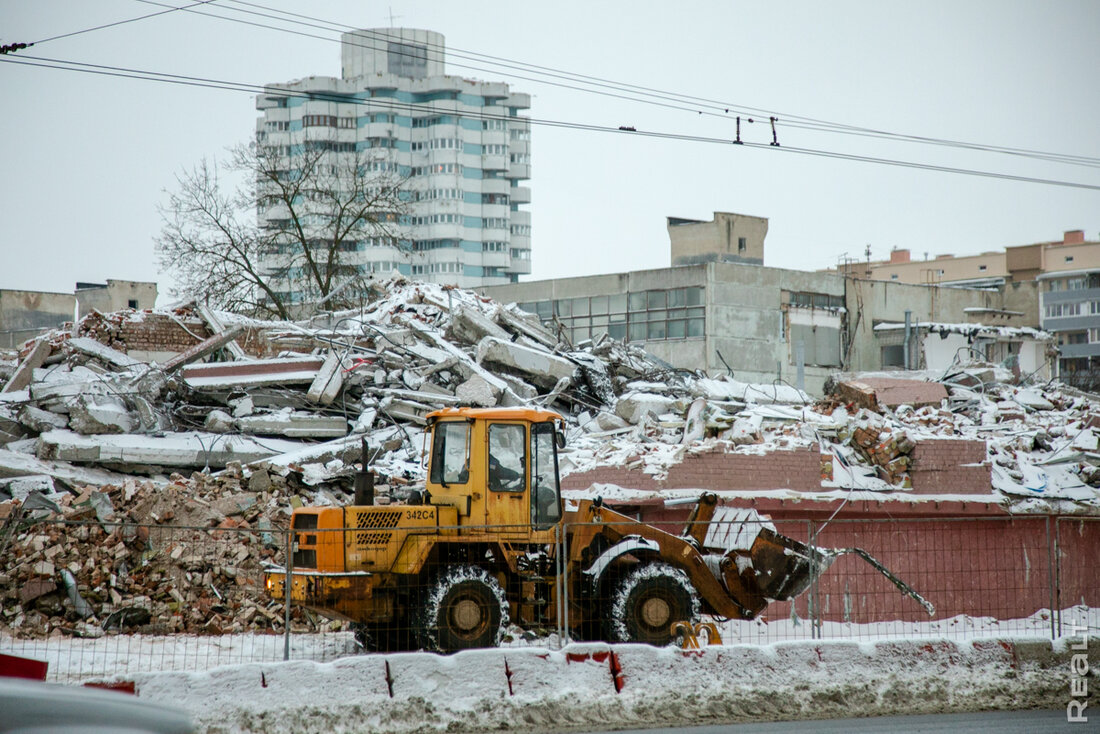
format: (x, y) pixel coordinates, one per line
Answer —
(887, 451)
(182, 558)
(239, 421)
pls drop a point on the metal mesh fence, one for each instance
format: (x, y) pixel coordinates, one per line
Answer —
(1077, 574)
(97, 599)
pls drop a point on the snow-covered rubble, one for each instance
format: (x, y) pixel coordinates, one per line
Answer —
(281, 412)
(77, 402)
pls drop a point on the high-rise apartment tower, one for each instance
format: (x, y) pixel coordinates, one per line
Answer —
(461, 145)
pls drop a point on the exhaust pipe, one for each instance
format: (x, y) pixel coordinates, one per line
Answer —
(364, 481)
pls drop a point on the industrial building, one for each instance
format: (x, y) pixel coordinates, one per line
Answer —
(763, 324)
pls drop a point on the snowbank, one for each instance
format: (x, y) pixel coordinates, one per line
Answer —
(601, 686)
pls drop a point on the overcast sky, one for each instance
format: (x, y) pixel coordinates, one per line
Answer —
(86, 158)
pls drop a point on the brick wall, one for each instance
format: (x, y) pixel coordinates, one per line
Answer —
(798, 469)
(950, 466)
(159, 333)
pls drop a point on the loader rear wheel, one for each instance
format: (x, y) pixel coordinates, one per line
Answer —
(464, 609)
(647, 602)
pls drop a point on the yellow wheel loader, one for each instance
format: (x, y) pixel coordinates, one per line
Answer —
(489, 542)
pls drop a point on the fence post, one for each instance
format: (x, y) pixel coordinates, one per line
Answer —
(1056, 580)
(565, 585)
(287, 581)
(814, 602)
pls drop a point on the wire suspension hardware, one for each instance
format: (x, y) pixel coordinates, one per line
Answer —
(775, 140)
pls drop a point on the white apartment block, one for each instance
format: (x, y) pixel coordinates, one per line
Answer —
(462, 144)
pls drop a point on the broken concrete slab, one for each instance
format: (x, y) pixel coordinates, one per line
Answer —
(472, 326)
(528, 325)
(217, 326)
(91, 414)
(11, 429)
(463, 364)
(191, 449)
(524, 390)
(19, 487)
(476, 391)
(39, 420)
(16, 464)
(875, 393)
(25, 371)
(218, 421)
(200, 350)
(102, 352)
(329, 380)
(542, 368)
(634, 406)
(346, 449)
(294, 424)
(282, 371)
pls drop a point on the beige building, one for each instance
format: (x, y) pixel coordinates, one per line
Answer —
(1013, 264)
(735, 238)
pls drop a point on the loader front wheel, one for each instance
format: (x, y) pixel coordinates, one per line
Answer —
(647, 602)
(391, 637)
(465, 608)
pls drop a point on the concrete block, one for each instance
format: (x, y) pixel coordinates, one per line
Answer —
(293, 425)
(476, 391)
(10, 430)
(92, 413)
(19, 487)
(471, 326)
(228, 375)
(609, 421)
(524, 390)
(14, 464)
(218, 421)
(190, 449)
(408, 410)
(96, 414)
(329, 381)
(23, 373)
(102, 352)
(632, 407)
(542, 368)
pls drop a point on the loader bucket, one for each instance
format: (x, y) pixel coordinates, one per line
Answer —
(783, 568)
(779, 568)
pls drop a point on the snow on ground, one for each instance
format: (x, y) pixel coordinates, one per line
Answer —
(594, 686)
(74, 660)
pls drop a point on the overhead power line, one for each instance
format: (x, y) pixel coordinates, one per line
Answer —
(171, 9)
(624, 91)
(412, 107)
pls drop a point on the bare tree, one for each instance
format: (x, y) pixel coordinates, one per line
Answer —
(286, 234)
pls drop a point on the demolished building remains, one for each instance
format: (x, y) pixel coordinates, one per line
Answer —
(238, 421)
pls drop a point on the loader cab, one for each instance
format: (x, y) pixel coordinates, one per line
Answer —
(497, 466)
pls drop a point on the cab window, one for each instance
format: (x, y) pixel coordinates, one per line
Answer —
(451, 453)
(507, 457)
(545, 494)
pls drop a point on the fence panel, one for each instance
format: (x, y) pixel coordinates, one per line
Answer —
(96, 599)
(1078, 575)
